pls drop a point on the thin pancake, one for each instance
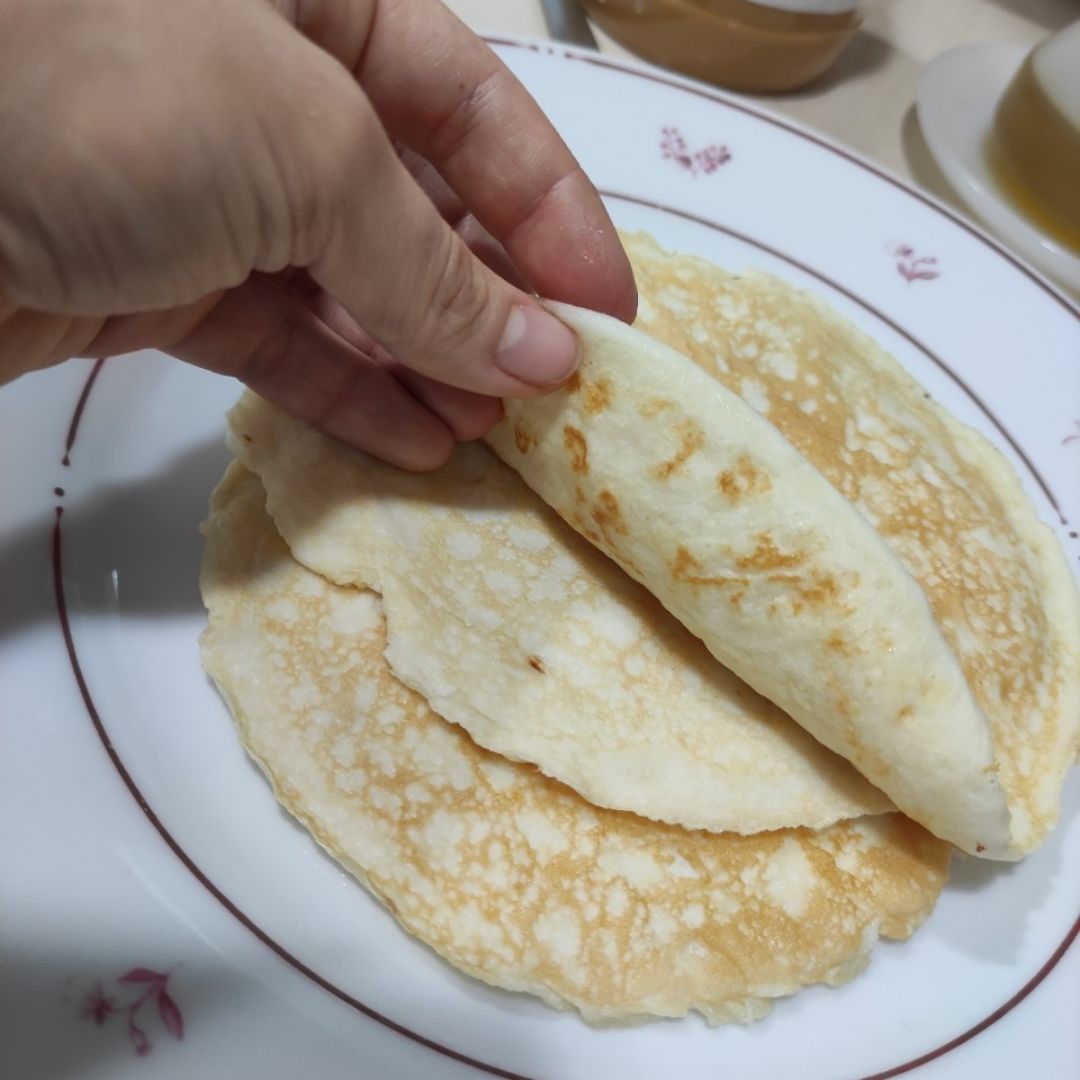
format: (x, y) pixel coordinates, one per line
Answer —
(510, 876)
(513, 626)
(943, 498)
(741, 538)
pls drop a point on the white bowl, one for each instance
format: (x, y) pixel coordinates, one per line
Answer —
(957, 97)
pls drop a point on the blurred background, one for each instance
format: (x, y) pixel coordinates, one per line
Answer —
(868, 98)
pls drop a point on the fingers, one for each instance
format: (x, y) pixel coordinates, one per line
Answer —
(451, 209)
(457, 104)
(467, 415)
(291, 343)
(30, 340)
(439, 90)
(404, 275)
(455, 213)
(197, 181)
(272, 338)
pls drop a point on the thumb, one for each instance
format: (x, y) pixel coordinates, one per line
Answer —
(403, 274)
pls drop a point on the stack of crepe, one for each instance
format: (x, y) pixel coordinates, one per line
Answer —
(686, 700)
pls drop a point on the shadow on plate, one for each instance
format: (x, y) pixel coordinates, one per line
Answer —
(1013, 893)
(132, 548)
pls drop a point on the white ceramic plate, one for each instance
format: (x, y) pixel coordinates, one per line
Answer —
(957, 99)
(150, 881)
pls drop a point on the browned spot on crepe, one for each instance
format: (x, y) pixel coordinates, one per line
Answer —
(684, 567)
(522, 439)
(607, 515)
(744, 479)
(691, 439)
(654, 408)
(577, 448)
(767, 556)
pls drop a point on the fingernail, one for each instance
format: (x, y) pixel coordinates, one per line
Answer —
(536, 348)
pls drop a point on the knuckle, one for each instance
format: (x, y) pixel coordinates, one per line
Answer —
(261, 367)
(354, 411)
(456, 298)
(474, 420)
(454, 129)
(422, 455)
(470, 428)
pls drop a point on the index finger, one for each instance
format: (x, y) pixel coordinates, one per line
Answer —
(442, 92)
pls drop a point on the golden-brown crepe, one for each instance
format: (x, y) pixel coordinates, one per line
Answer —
(836, 539)
(944, 499)
(513, 626)
(509, 875)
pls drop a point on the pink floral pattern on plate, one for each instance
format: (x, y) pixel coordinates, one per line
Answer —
(128, 996)
(674, 147)
(914, 267)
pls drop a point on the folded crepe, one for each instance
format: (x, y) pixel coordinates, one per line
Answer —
(835, 538)
(510, 876)
(515, 627)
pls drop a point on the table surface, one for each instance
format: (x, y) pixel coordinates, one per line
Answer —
(867, 100)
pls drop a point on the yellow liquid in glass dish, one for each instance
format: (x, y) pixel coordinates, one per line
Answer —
(1034, 151)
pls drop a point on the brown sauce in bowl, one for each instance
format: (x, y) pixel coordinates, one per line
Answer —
(739, 44)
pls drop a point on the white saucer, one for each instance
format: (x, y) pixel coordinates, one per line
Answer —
(958, 93)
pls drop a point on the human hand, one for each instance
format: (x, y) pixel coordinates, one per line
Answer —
(221, 181)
